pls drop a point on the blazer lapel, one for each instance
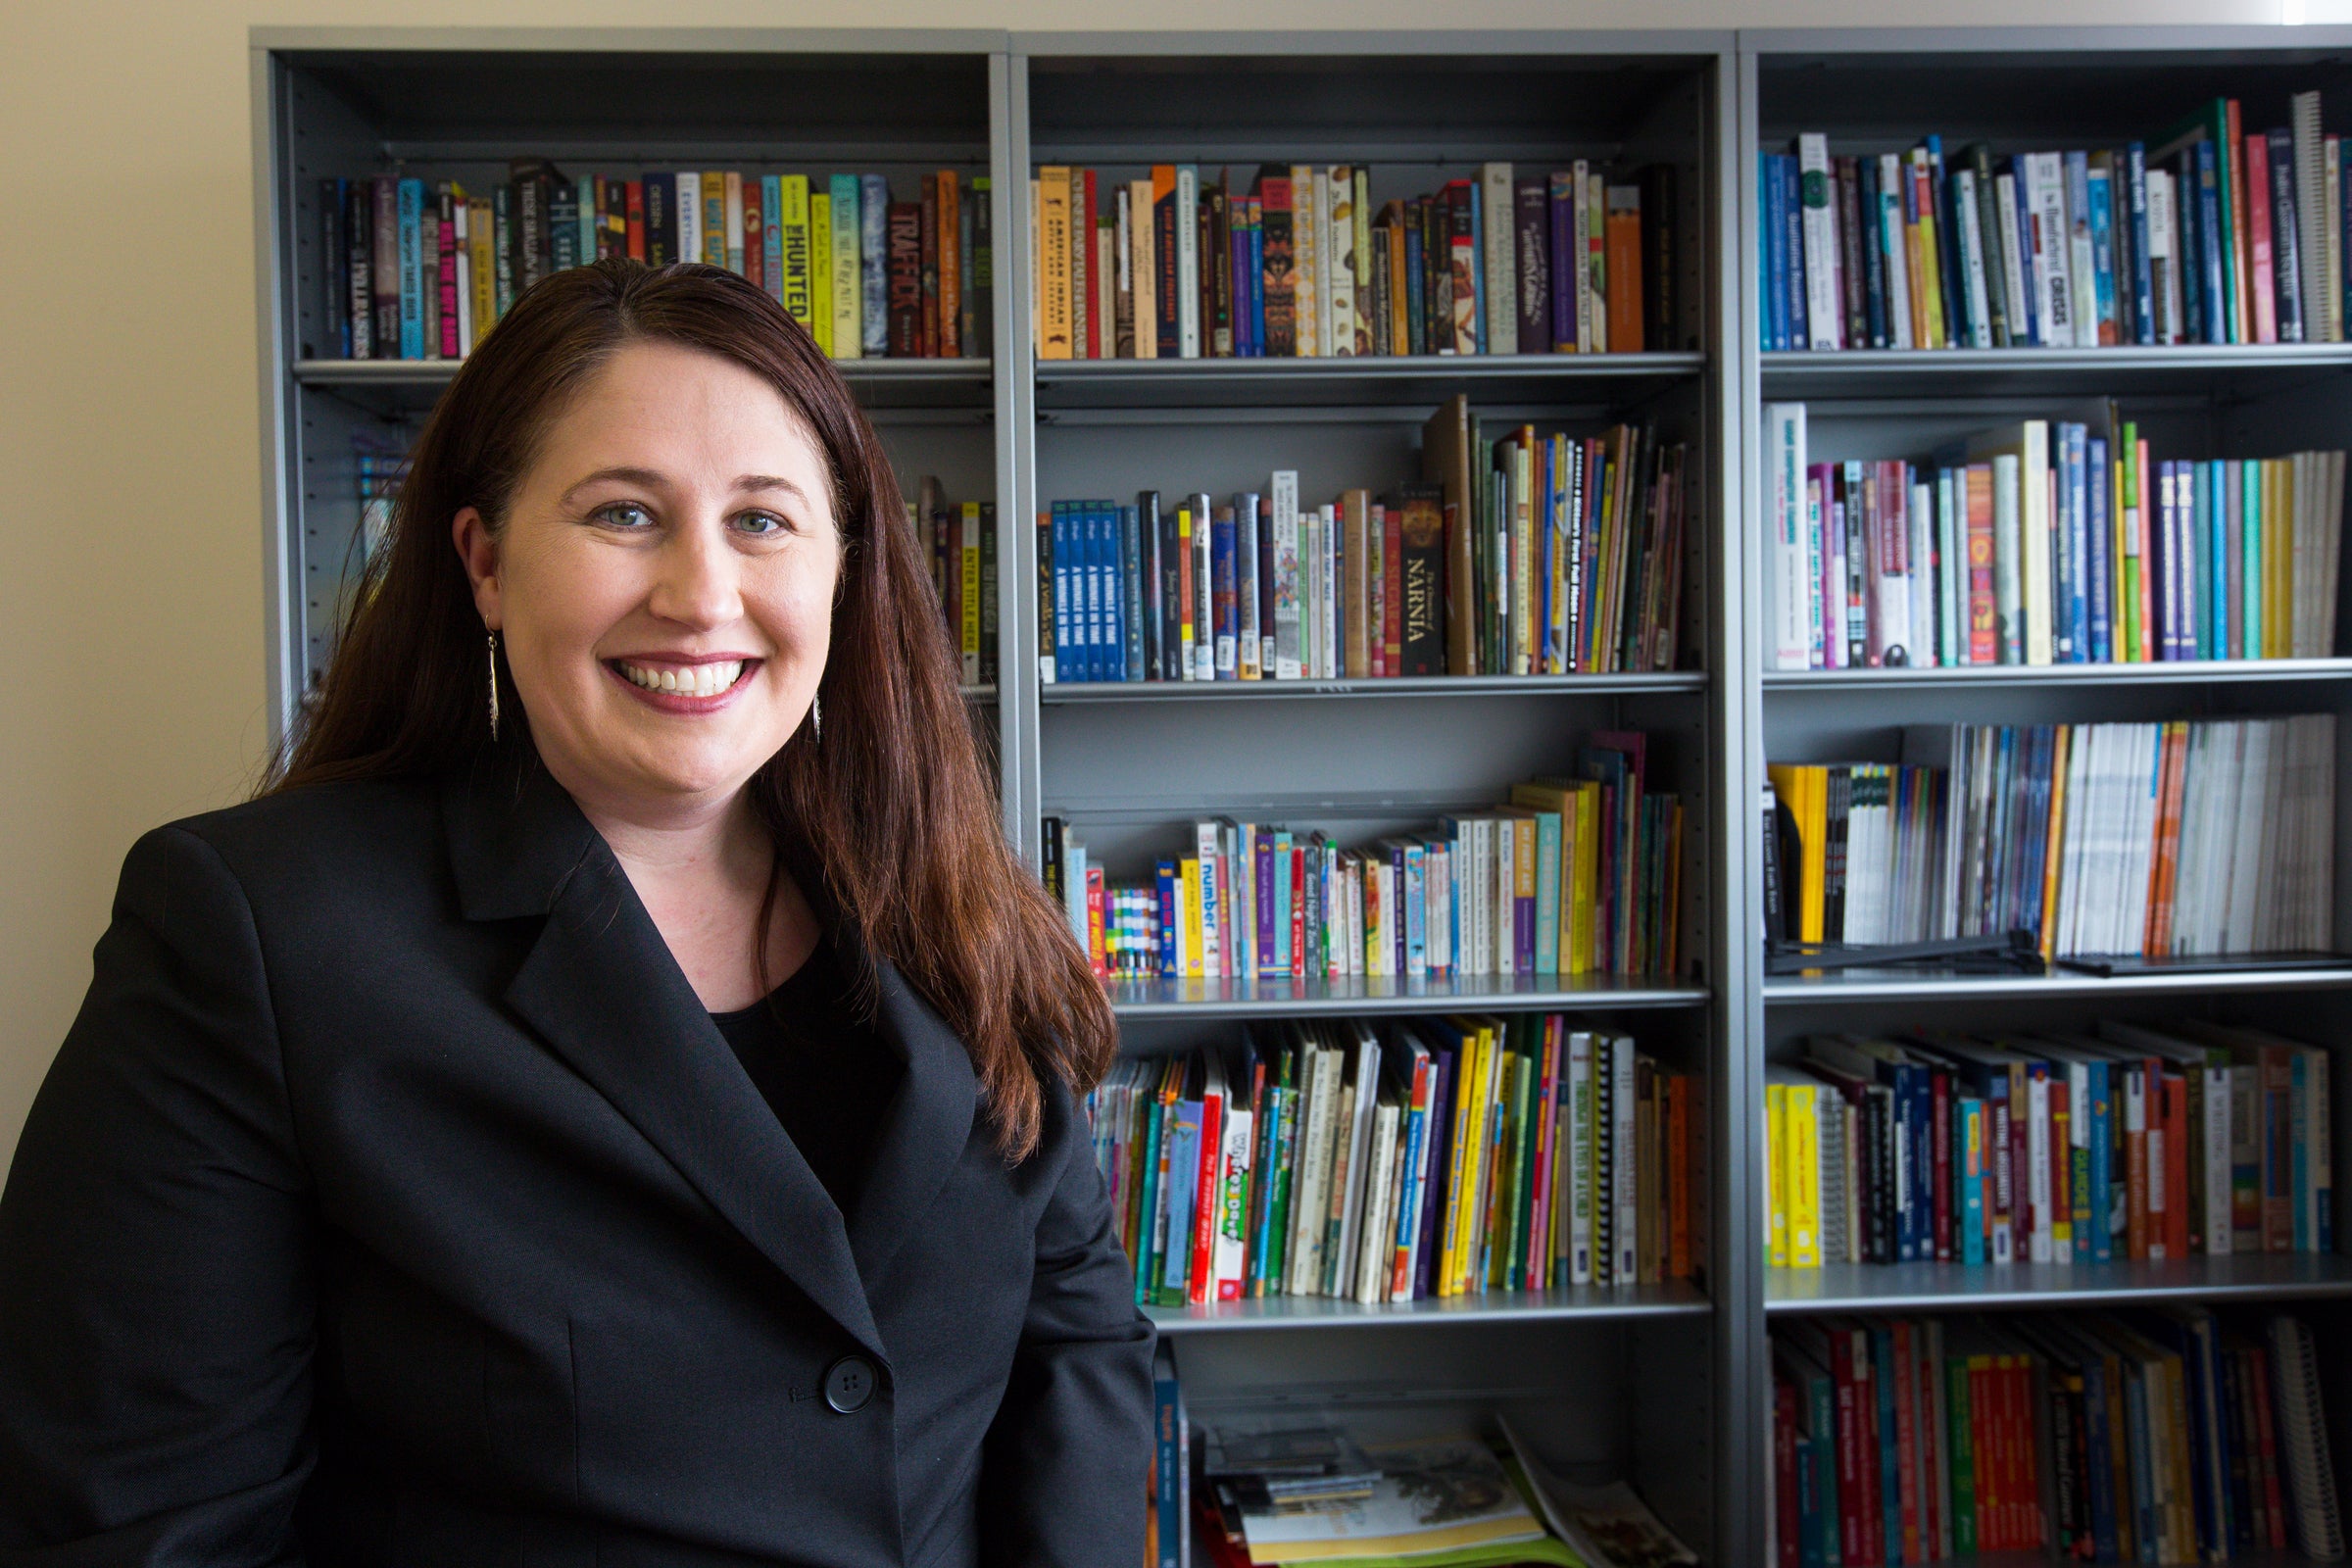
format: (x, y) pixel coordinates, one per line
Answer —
(923, 1132)
(602, 989)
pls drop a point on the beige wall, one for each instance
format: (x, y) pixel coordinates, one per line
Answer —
(129, 540)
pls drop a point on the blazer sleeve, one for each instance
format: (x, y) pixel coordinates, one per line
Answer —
(156, 1301)
(1066, 1461)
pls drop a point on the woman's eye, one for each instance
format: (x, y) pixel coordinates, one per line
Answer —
(761, 523)
(623, 515)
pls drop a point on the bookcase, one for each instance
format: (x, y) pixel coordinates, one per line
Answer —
(1665, 1386)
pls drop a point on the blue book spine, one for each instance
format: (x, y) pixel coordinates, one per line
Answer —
(2077, 503)
(1792, 238)
(2023, 218)
(2066, 561)
(1065, 607)
(1237, 260)
(845, 191)
(1478, 268)
(2102, 1165)
(2102, 556)
(1414, 304)
(1131, 589)
(1098, 594)
(1114, 593)
(2205, 478)
(2217, 326)
(873, 265)
(1974, 1127)
(1282, 901)
(2165, 565)
(2200, 547)
(1874, 256)
(1184, 1181)
(1225, 592)
(2299, 1096)
(1167, 920)
(2102, 246)
(1768, 252)
(2143, 278)
(412, 270)
(2101, 1462)
(1808, 1520)
(1890, 1486)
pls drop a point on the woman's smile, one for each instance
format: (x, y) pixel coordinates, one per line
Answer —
(677, 683)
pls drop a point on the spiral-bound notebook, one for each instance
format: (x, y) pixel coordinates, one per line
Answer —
(2295, 1370)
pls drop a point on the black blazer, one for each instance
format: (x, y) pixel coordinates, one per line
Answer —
(394, 1200)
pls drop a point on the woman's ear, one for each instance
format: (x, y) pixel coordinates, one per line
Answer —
(477, 547)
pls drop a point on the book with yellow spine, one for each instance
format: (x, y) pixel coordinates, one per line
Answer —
(1796, 1173)
(1055, 334)
(714, 218)
(793, 215)
(1776, 1174)
(820, 268)
(1804, 791)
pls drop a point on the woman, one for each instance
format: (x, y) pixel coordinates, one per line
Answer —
(612, 1098)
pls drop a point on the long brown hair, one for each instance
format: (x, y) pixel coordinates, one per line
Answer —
(891, 812)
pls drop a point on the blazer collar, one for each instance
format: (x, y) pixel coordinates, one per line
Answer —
(600, 986)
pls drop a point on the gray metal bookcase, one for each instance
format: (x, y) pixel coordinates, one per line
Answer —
(1666, 1386)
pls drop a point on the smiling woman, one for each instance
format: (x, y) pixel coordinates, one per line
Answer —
(615, 1095)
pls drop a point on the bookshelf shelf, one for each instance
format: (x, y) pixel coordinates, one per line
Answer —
(1370, 380)
(1289, 1312)
(878, 382)
(1433, 686)
(2199, 367)
(1945, 1287)
(2188, 673)
(1278, 998)
(1894, 985)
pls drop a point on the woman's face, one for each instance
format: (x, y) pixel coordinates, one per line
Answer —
(663, 583)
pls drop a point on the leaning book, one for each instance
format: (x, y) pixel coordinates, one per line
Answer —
(1431, 1495)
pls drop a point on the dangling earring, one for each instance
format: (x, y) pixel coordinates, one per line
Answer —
(816, 717)
(493, 685)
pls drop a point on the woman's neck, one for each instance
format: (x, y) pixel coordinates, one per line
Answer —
(704, 878)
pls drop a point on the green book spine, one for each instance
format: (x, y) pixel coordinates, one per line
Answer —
(1548, 893)
(1285, 1159)
(1147, 1258)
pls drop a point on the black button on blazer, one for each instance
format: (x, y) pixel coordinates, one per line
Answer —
(394, 1200)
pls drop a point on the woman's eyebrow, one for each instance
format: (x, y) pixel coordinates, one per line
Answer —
(769, 481)
(645, 477)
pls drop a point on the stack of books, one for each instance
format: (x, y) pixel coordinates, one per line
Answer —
(1303, 265)
(959, 542)
(419, 270)
(1400, 1160)
(2198, 837)
(2131, 1144)
(2216, 234)
(2163, 1435)
(1278, 1486)
(1574, 876)
(1577, 567)
(2046, 542)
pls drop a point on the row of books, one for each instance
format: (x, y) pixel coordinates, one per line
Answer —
(1280, 1487)
(2161, 1435)
(1303, 266)
(1400, 1160)
(1518, 553)
(1574, 876)
(2133, 1142)
(420, 268)
(2046, 542)
(2217, 234)
(1579, 569)
(959, 542)
(2190, 837)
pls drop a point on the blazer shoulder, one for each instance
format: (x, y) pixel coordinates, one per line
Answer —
(306, 843)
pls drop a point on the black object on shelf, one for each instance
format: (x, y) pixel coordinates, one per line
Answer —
(2014, 953)
(2115, 966)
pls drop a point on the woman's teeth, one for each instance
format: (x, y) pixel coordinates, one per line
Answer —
(690, 680)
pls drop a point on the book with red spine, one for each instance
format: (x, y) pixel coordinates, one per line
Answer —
(2259, 259)
(1200, 1281)
(1907, 1454)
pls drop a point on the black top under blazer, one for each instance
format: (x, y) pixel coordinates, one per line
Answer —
(394, 1200)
